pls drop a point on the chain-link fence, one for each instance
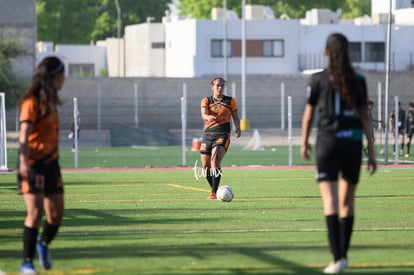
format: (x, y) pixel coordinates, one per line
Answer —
(147, 111)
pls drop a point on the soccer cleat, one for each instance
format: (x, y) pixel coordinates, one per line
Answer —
(336, 267)
(44, 255)
(212, 196)
(27, 268)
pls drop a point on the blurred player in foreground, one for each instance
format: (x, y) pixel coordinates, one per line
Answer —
(39, 175)
(339, 96)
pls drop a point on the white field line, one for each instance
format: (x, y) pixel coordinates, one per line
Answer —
(228, 231)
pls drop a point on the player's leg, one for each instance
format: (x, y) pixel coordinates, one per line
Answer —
(402, 142)
(32, 190)
(205, 157)
(351, 167)
(409, 137)
(329, 162)
(329, 193)
(34, 206)
(220, 147)
(206, 166)
(217, 155)
(347, 211)
(54, 208)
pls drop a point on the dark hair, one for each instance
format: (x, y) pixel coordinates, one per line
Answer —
(41, 86)
(411, 104)
(341, 72)
(217, 78)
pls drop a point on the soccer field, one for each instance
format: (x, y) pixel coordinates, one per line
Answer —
(158, 221)
(172, 156)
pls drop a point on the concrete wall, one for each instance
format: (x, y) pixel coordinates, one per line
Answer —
(144, 60)
(107, 102)
(18, 20)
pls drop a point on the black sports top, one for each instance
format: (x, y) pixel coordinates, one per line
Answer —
(334, 118)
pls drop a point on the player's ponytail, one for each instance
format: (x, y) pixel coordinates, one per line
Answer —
(342, 74)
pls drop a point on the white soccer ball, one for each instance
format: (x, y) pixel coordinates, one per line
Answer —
(225, 193)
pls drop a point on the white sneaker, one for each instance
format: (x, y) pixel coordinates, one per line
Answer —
(336, 267)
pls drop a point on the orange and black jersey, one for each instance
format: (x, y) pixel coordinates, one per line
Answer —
(44, 137)
(222, 110)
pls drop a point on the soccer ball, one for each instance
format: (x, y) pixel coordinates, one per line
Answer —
(225, 193)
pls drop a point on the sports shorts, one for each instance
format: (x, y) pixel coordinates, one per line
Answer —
(210, 141)
(342, 157)
(410, 132)
(401, 131)
(52, 184)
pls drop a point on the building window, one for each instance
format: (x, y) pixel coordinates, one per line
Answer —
(217, 48)
(81, 70)
(355, 51)
(254, 48)
(273, 48)
(158, 45)
(374, 52)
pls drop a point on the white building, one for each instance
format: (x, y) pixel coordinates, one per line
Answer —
(80, 60)
(193, 48)
(145, 48)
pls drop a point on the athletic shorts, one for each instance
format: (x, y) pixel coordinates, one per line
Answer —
(401, 131)
(343, 157)
(210, 141)
(410, 132)
(53, 179)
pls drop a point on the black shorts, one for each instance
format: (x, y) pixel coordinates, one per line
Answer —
(53, 179)
(401, 131)
(410, 133)
(343, 157)
(210, 141)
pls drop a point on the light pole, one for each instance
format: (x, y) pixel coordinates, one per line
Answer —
(244, 123)
(225, 38)
(387, 83)
(118, 13)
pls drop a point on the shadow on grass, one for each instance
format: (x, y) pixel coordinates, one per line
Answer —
(205, 258)
(171, 252)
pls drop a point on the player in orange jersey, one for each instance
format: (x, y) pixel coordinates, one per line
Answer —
(39, 176)
(217, 111)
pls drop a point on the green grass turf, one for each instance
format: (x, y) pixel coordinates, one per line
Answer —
(159, 222)
(171, 156)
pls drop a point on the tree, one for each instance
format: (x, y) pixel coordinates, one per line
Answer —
(133, 12)
(356, 8)
(66, 22)
(293, 8)
(80, 21)
(9, 83)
